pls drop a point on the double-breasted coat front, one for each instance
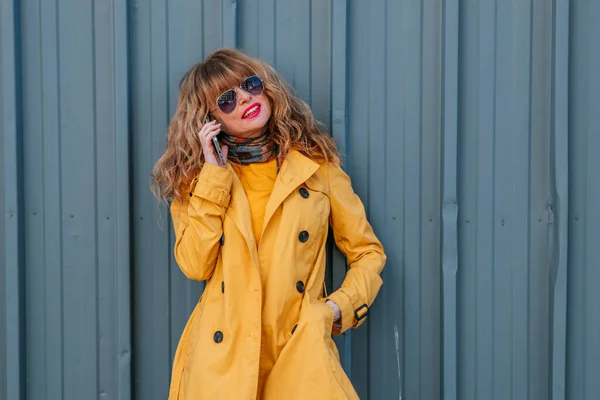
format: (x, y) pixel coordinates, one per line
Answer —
(262, 315)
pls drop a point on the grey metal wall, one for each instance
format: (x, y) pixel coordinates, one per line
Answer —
(508, 206)
(583, 298)
(471, 130)
(66, 200)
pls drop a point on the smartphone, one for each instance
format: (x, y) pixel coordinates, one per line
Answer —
(217, 145)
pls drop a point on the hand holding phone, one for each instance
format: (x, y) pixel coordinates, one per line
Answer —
(217, 147)
(211, 147)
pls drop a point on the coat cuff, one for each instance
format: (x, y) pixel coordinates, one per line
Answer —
(354, 311)
(213, 183)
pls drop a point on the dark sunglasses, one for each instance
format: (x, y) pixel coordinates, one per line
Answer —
(228, 101)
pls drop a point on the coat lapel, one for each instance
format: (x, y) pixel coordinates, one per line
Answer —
(239, 212)
(295, 170)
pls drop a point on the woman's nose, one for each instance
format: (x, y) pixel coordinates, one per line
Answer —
(243, 97)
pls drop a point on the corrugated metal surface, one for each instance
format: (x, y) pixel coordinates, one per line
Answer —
(506, 201)
(73, 201)
(393, 148)
(11, 271)
(583, 355)
(470, 130)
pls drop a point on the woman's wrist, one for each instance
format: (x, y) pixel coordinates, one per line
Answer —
(337, 313)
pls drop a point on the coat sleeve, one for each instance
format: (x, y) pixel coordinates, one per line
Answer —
(198, 222)
(364, 253)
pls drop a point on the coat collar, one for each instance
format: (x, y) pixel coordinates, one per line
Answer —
(295, 170)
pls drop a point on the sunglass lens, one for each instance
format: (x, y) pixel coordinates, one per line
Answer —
(253, 85)
(227, 101)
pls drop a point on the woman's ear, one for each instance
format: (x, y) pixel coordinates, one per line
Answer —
(210, 117)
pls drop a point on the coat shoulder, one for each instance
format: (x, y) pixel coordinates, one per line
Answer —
(320, 180)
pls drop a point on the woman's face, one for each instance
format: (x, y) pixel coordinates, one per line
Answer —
(249, 118)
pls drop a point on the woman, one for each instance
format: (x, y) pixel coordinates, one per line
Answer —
(255, 229)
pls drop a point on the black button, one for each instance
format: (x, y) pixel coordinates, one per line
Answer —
(303, 236)
(218, 337)
(294, 328)
(222, 287)
(300, 286)
(304, 193)
(191, 194)
(222, 239)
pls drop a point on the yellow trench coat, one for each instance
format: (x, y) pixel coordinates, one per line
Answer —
(267, 299)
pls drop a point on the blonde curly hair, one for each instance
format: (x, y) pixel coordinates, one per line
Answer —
(292, 124)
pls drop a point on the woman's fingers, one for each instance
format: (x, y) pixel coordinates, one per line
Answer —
(206, 135)
(207, 132)
(208, 129)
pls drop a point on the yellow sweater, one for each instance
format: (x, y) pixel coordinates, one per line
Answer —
(258, 180)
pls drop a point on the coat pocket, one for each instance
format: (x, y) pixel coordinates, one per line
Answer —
(306, 367)
(324, 318)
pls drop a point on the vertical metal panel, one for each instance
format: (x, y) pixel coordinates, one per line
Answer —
(121, 151)
(75, 202)
(450, 204)
(560, 170)
(504, 196)
(12, 299)
(394, 147)
(3, 263)
(229, 23)
(542, 189)
(151, 255)
(34, 148)
(477, 32)
(48, 377)
(431, 174)
(583, 372)
(79, 210)
(3, 257)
